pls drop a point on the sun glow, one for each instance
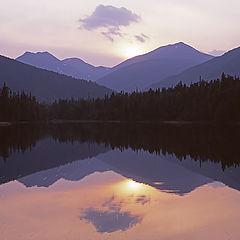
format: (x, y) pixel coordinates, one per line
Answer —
(132, 185)
(133, 51)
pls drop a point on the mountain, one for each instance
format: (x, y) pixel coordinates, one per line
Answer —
(162, 172)
(47, 154)
(46, 85)
(73, 67)
(72, 171)
(153, 170)
(229, 63)
(144, 70)
(150, 170)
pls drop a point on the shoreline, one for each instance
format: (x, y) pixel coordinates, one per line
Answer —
(5, 124)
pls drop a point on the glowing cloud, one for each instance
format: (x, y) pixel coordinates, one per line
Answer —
(110, 19)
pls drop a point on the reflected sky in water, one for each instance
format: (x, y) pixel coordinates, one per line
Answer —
(60, 190)
(106, 205)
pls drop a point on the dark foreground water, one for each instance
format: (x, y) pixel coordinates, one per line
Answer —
(119, 181)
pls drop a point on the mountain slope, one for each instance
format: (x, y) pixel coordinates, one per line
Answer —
(73, 67)
(210, 70)
(47, 154)
(46, 85)
(144, 70)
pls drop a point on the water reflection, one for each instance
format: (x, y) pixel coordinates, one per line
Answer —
(110, 218)
(107, 206)
(119, 182)
(153, 170)
(26, 149)
(200, 142)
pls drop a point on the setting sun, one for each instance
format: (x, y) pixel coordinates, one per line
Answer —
(133, 185)
(133, 51)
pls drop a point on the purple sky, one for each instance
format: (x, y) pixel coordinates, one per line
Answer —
(109, 31)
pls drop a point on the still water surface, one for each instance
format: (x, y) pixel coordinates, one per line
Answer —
(119, 182)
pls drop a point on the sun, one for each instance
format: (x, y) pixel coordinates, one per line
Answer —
(133, 51)
(132, 185)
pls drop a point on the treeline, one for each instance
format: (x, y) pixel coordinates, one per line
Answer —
(217, 100)
(201, 142)
(20, 138)
(19, 106)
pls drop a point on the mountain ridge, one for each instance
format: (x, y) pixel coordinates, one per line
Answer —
(229, 63)
(74, 67)
(46, 85)
(144, 70)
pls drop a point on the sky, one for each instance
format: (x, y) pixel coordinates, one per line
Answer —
(108, 31)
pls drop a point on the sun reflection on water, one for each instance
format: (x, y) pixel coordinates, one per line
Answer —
(133, 185)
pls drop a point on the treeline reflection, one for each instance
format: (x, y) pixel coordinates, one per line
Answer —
(200, 142)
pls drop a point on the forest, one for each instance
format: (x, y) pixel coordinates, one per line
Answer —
(217, 100)
(19, 106)
(201, 142)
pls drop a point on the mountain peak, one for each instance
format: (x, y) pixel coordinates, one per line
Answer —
(43, 53)
(27, 53)
(229, 63)
(182, 44)
(158, 64)
(74, 67)
(38, 55)
(177, 49)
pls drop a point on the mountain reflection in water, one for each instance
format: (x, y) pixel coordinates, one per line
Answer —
(119, 181)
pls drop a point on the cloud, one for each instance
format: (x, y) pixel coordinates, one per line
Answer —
(110, 221)
(143, 199)
(141, 38)
(112, 32)
(111, 218)
(110, 19)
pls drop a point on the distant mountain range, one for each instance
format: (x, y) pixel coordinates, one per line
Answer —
(229, 63)
(73, 67)
(144, 70)
(135, 73)
(46, 85)
(165, 173)
(163, 67)
(150, 170)
(48, 154)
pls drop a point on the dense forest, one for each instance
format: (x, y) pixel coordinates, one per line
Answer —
(19, 106)
(217, 100)
(201, 142)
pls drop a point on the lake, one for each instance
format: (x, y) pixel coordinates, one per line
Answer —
(119, 181)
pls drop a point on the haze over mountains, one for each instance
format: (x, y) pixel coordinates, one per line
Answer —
(46, 85)
(135, 73)
(73, 67)
(165, 173)
(144, 70)
(229, 63)
(163, 67)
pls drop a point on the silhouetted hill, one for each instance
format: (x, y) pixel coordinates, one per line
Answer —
(48, 154)
(153, 170)
(46, 85)
(142, 167)
(229, 63)
(73, 67)
(144, 70)
(157, 155)
(72, 171)
(164, 172)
